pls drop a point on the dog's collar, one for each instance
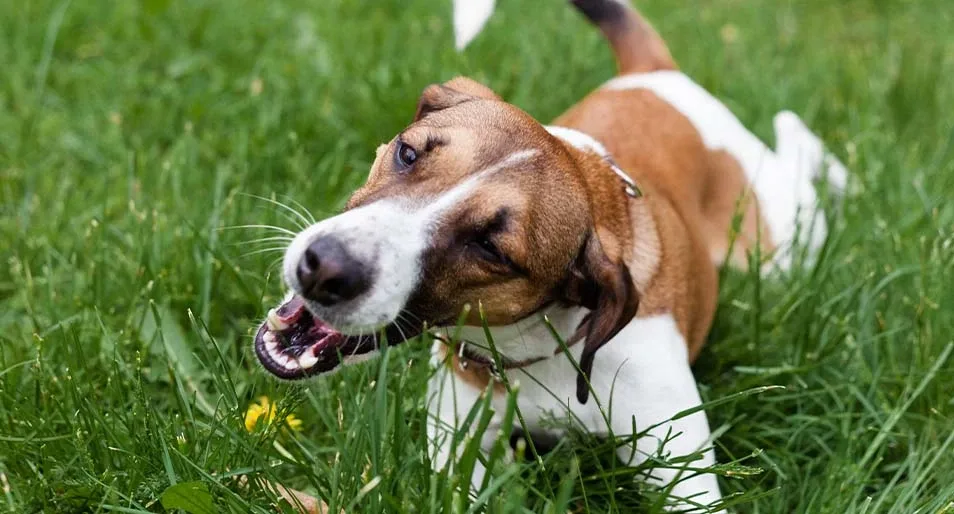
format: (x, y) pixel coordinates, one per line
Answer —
(632, 190)
(467, 358)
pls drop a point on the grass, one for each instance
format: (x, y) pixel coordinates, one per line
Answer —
(133, 133)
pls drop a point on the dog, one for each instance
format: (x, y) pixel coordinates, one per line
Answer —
(607, 227)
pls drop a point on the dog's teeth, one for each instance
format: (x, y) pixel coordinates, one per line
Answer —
(271, 343)
(290, 363)
(307, 359)
(274, 321)
(270, 337)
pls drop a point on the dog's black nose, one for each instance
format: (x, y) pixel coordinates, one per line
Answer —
(329, 275)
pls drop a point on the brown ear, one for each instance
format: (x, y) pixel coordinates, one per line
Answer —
(453, 92)
(605, 286)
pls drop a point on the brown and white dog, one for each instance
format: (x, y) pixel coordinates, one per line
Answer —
(610, 223)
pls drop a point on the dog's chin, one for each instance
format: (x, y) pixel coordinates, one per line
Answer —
(294, 344)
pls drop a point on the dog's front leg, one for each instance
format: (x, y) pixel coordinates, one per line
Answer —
(300, 502)
(449, 402)
(653, 383)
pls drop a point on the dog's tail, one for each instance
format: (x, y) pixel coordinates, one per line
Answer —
(636, 44)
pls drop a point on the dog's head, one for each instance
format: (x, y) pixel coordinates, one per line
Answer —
(474, 202)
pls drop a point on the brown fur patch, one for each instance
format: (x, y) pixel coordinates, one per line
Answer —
(729, 199)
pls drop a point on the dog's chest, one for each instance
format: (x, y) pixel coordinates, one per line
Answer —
(629, 373)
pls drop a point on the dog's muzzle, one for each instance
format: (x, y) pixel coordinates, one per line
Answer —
(352, 276)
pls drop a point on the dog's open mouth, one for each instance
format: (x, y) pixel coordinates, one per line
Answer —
(293, 344)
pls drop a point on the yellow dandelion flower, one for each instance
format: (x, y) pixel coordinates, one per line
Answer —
(293, 422)
(265, 411)
(255, 411)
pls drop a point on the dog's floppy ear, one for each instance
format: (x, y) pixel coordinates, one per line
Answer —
(603, 285)
(453, 92)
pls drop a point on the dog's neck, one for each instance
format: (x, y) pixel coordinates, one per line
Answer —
(524, 342)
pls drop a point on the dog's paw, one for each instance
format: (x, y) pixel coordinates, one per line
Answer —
(300, 502)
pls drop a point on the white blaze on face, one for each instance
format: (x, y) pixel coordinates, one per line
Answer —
(389, 236)
(386, 235)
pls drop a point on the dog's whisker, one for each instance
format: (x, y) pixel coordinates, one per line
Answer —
(360, 337)
(285, 239)
(307, 213)
(404, 314)
(304, 220)
(266, 227)
(397, 325)
(400, 319)
(275, 263)
(263, 250)
(294, 221)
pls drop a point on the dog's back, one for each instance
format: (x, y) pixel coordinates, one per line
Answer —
(679, 139)
(732, 196)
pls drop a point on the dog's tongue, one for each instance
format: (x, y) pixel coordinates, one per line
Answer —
(290, 310)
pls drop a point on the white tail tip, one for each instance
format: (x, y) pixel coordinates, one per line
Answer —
(470, 16)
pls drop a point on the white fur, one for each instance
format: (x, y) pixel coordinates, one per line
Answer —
(578, 139)
(642, 374)
(509, 161)
(782, 180)
(448, 402)
(390, 236)
(470, 16)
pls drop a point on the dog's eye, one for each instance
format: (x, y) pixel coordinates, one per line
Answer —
(405, 156)
(489, 250)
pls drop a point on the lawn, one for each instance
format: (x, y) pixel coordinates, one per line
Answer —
(136, 138)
